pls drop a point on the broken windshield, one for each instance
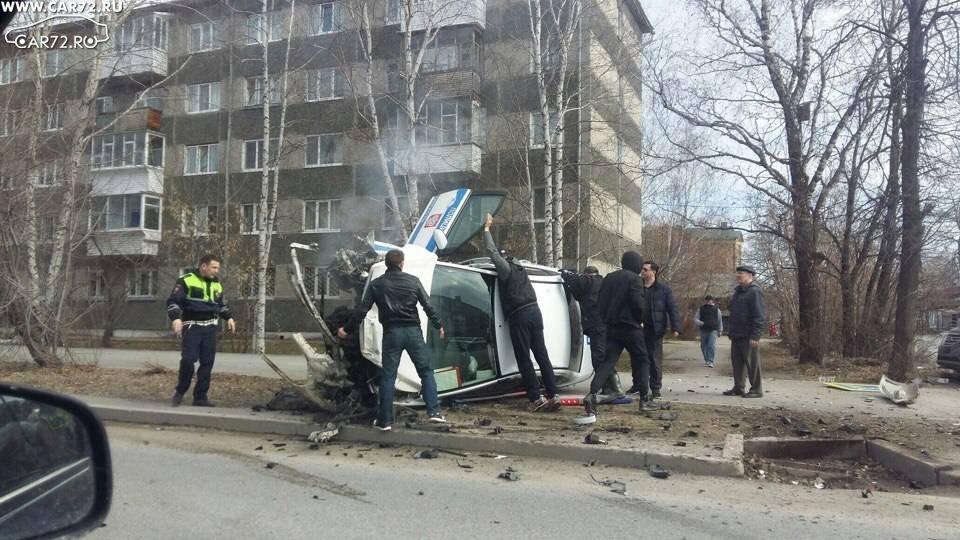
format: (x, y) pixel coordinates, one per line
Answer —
(471, 218)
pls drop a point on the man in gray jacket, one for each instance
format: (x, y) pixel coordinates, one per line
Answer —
(519, 302)
(748, 315)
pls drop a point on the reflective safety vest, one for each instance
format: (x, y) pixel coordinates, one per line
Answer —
(201, 290)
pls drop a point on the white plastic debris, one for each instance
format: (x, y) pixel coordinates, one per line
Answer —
(324, 436)
(899, 393)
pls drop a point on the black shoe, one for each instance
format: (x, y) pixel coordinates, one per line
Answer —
(590, 404)
(646, 404)
(733, 392)
(655, 394)
(752, 394)
(203, 403)
(176, 400)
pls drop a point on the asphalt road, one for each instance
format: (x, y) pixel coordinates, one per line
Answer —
(194, 484)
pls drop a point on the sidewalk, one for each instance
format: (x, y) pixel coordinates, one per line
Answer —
(240, 364)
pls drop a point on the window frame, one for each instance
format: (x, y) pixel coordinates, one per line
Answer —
(133, 285)
(212, 159)
(213, 97)
(11, 70)
(243, 219)
(45, 172)
(57, 70)
(211, 37)
(8, 123)
(318, 138)
(58, 110)
(274, 143)
(314, 80)
(316, 214)
(336, 18)
(101, 109)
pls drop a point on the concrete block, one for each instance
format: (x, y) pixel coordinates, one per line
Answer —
(795, 448)
(733, 446)
(948, 478)
(913, 465)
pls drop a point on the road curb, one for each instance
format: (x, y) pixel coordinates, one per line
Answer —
(729, 466)
(913, 465)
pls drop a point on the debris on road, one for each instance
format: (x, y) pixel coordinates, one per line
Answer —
(928, 507)
(326, 435)
(668, 416)
(464, 465)
(657, 471)
(802, 430)
(270, 465)
(616, 486)
(427, 454)
(819, 483)
(593, 438)
(509, 475)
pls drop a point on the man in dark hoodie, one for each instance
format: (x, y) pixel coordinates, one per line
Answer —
(748, 315)
(660, 308)
(585, 288)
(621, 304)
(519, 302)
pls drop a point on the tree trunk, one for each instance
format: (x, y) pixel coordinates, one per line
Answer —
(908, 279)
(808, 288)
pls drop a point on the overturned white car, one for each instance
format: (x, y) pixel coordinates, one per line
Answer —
(475, 359)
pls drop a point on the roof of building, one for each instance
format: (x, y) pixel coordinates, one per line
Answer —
(637, 11)
(718, 234)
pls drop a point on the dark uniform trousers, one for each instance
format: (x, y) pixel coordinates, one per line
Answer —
(526, 333)
(654, 345)
(199, 343)
(746, 364)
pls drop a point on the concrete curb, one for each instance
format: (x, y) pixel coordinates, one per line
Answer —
(731, 465)
(913, 465)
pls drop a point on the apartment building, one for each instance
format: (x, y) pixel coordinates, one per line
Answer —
(176, 171)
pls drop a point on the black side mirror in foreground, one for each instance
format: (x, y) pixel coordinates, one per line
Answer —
(55, 473)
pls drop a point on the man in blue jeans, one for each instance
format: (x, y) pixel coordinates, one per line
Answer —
(396, 295)
(710, 322)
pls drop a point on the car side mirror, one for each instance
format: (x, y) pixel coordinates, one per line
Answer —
(55, 470)
(440, 239)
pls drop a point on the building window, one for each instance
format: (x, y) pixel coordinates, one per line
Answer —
(6, 182)
(53, 120)
(253, 154)
(255, 89)
(129, 35)
(201, 37)
(142, 283)
(205, 221)
(250, 284)
(320, 283)
(126, 150)
(104, 105)
(537, 128)
(160, 26)
(324, 84)
(259, 30)
(325, 18)
(202, 159)
(539, 204)
(47, 174)
(249, 224)
(53, 63)
(8, 123)
(121, 212)
(276, 30)
(324, 150)
(203, 97)
(47, 226)
(394, 11)
(10, 70)
(321, 216)
(443, 122)
(96, 285)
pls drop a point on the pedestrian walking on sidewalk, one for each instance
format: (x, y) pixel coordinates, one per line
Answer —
(660, 309)
(748, 317)
(396, 294)
(519, 302)
(710, 322)
(621, 304)
(195, 307)
(585, 288)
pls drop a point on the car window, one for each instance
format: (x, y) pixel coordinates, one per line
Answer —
(470, 220)
(464, 301)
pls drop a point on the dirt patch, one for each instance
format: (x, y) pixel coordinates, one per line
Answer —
(776, 360)
(153, 383)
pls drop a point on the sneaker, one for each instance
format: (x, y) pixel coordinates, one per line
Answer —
(590, 404)
(203, 403)
(553, 404)
(752, 394)
(176, 400)
(438, 418)
(733, 392)
(634, 391)
(710, 365)
(539, 404)
(646, 404)
(655, 394)
(381, 428)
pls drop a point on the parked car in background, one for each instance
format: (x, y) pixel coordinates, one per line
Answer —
(948, 355)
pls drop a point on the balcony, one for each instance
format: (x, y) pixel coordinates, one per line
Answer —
(124, 163)
(450, 83)
(136, 179)
(135, 120)
(434, 13)
(452, 158)
(141, 62)
(123, 243)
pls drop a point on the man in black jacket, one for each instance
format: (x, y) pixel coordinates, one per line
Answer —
(519, 302)
(660, 308)
(195, 307)
(396, 294)
(748, 315)
(585, 288)
(621, 304)
(710, 322)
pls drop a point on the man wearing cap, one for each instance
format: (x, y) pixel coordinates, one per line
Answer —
(748, 316)
(585, 288)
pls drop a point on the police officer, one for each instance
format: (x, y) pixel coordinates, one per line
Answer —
(195, 306)
(519, 302)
